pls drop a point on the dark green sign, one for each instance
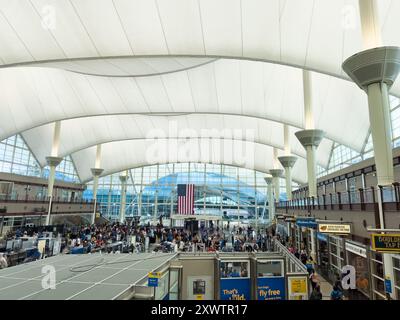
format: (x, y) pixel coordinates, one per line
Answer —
(386, 242)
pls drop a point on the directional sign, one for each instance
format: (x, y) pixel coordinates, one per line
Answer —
(306, 222)
(154, 275)
(334, 228)
(386, 242)
(152, 282)
(388, 285)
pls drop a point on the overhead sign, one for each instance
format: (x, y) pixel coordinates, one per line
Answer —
(306, 223)
(386, 242)
(356, 249)
(322, 237)
(334, 228)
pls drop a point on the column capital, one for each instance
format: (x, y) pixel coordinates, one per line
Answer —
(287, 161)
(123, 178)
(276, 173)
(268, 180)
(53, 161)
(375, 65)
(310, 137)
(96, 171)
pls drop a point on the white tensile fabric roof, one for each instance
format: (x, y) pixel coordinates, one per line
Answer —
(119, 70)
(139, 131)
(120, 155)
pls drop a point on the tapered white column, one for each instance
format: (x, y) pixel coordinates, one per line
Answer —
(374, 71)
(370, 24)
(53, 161)
(96, 172)
(109, 198)
(276, 174)
(313, 245)
(310, 138)
(270, 198)
(286, 139)
(287, 161)
(123, 178)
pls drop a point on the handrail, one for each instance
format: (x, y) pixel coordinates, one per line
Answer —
(278, 246)
(344, 199)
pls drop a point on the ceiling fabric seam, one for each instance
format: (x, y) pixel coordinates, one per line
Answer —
(105, 142)
(84, 27)
(49, 30)
(216, 57)
(151, 114)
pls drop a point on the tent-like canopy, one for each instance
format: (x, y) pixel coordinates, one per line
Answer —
(121, 72)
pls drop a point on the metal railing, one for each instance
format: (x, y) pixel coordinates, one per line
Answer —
(27, 198)
(292, 263)
(361, 199)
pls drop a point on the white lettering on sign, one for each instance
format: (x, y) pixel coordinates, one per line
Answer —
(356, 249)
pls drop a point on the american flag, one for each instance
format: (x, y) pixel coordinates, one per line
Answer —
(186, 199)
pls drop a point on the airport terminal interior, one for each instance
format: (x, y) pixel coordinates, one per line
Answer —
(199, 150)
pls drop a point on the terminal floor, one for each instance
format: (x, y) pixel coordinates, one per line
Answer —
(326, 288)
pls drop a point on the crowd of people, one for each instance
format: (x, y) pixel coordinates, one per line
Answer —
(307, 260)
(214, 239)
(136, 238)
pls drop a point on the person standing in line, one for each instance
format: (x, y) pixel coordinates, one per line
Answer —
(314, 279)
(3, 261)
(336, 294)
(338, 283)
(316, 293)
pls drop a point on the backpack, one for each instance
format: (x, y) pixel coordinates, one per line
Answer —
(336, 295)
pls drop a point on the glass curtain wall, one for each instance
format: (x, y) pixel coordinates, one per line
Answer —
(15, 157)
(220, 190)
(342, 156)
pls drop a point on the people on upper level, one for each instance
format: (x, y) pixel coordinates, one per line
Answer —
(3, 261)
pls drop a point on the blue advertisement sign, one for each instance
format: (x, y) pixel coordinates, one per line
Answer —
(153, 282)
(272, 288)
(322, 237)
(235, 289)
(306, 222)
(388, 286)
